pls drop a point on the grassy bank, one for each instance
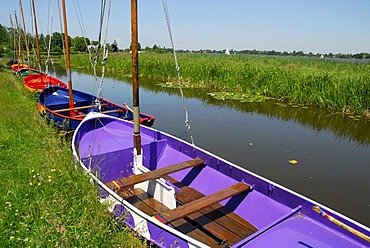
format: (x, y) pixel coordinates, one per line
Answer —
(44, 200)
(334, 85)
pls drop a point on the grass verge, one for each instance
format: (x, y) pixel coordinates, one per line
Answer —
(44, 200)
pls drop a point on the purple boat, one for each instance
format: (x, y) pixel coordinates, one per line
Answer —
(175, 194)
(178, 195)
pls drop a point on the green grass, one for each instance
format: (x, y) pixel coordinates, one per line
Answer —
(334, 85)
(44, 200)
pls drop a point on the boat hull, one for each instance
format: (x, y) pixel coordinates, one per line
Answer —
(17, 67)
(38, 82)
(103, 146)
(53, 103)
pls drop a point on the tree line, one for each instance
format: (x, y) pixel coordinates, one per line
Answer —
(76, 44)
(79, 44)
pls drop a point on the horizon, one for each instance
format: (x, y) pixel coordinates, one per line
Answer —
(284, 26)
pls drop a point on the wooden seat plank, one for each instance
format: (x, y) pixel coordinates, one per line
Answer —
(202, 203)
(102, 112)
(150, 206)
(216, 212)
(77, 108)
(139, 178)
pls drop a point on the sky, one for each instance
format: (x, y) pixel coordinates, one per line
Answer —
(317, 26)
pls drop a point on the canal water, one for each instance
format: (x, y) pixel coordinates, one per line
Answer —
(332, 151)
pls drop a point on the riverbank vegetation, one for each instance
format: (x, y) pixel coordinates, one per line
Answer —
(44, 200)
(339, 86)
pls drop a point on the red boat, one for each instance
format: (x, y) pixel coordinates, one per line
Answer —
(37, 82)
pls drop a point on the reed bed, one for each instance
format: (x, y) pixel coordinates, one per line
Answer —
(339, 86)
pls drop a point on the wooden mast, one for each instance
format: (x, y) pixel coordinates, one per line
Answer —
(135, 76)
(20, 55)
(25, 33)
(37, 35)
(71, 101)
(15, 42)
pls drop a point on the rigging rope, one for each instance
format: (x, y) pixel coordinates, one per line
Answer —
(89, 47)
(61, 32)
(49, 44)
(187, 123)
(105, 53)
(32, 35)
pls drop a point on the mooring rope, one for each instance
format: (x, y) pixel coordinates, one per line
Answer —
(187, 123)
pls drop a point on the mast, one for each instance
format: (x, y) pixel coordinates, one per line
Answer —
(20, 55)
(25, 33)
(71, 101)
(37, 35)
(15, 43)
(135, 76)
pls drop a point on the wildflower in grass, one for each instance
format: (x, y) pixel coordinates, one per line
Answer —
(30, 183)
(49, 180)
(39, 184)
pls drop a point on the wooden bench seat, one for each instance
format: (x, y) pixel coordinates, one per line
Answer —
(139, 178)
(216, 212)
(141, 200)
(77, 108)
(201, 203)
(102, 112)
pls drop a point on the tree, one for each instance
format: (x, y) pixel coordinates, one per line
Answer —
(57, 41)
(114, 46)
(79, 44)
(4, 40)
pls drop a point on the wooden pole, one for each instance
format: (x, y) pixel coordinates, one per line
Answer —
(341, 224)
(71, 100)
(15, 42)
(37, 35)
(135, 76)
(25, 33)
(20, 55)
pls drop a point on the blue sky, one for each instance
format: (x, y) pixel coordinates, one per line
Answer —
(318, 26)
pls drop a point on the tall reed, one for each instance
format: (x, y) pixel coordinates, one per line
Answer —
(332, 84)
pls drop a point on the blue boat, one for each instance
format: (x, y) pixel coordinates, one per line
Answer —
(54, 104)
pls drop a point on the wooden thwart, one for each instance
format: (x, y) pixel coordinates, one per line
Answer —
(139, 178)
(102, 112)
(76, 108)
(217, 212)
(202, 203)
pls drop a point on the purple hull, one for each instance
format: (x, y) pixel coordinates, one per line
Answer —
(103, 146)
